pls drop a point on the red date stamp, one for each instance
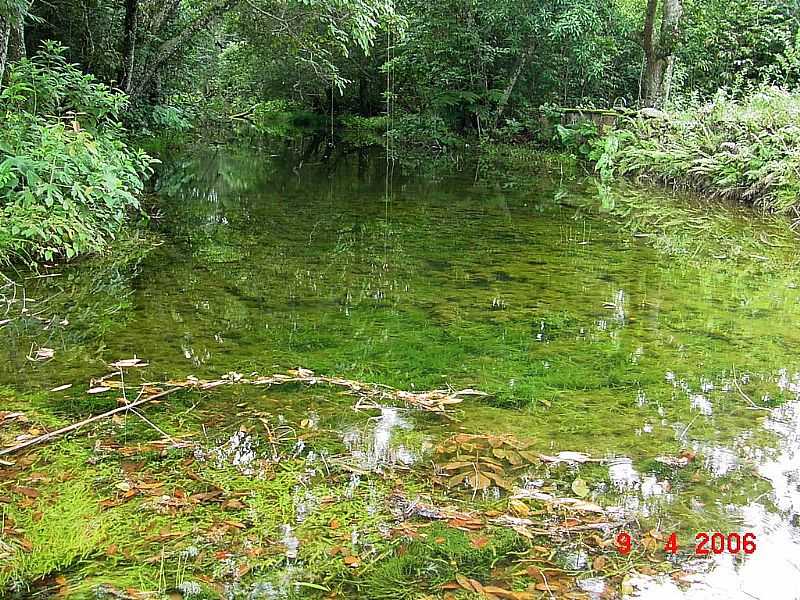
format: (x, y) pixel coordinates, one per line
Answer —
(706, 543)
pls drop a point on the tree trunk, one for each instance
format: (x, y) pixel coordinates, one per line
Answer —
(16, 42)
(171, 47)
(5, 34)
(659, 50)
(503, 102)
(129, 45)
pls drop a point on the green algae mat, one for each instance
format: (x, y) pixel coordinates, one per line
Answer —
(631, 427)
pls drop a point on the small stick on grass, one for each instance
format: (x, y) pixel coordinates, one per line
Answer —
(75, 426)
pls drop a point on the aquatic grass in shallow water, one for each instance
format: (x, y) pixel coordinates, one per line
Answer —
(588, 337)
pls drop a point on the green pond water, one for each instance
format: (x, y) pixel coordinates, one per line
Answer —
(598, 322)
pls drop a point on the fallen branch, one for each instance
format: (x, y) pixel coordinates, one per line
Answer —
(436, 401)
(75, 426)
(369, 394)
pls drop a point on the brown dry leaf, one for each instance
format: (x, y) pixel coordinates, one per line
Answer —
(111, 550)
(454, 466)
(25, 491)
(455, 480)
(202, 497)
(464, 582)
(536, 573)
(477, 586)
(439, 540)
(352, 561)
(465, 523)
(479, 542)
(500, 480)
(334, 524)
(450, 585)
(598, 563)
(478, 481)
(499, 592)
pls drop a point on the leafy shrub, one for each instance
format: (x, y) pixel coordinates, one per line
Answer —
(744, 151)
(423, 130)
(170, 118)
(67, 179)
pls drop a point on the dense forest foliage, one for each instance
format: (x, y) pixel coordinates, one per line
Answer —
(415, 73)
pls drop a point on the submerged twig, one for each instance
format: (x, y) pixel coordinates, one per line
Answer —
(75, 426)
(746, 398)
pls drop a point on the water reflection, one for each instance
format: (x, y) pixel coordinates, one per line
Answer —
(773, 571)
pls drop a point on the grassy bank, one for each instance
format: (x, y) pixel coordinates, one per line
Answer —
(745, 151)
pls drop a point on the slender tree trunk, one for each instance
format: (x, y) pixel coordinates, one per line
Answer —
(659, 50)
(503, 102)
(171, 47)
(5, 34)
(129, 44)
(16, 43)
